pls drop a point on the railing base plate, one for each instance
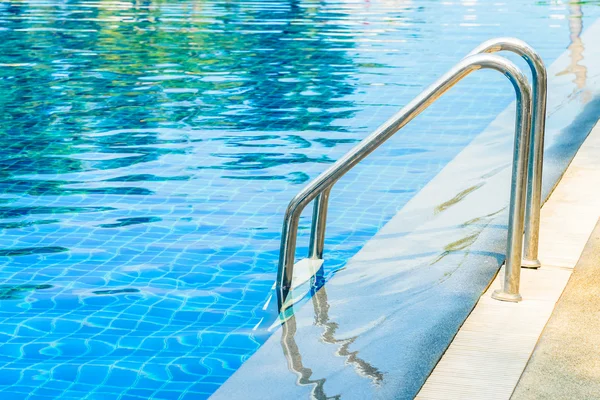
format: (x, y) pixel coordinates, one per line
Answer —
(531, 264)
(503, 296)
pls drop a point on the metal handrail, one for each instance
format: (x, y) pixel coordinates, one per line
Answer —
(320, 187)
(536, 156)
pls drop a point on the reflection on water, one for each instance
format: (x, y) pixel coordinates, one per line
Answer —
(150, 148)
(294, 356)
(362, 367)
(116, 291)
(207, 66)
(577, 51)
(161, 134)
(16, 292)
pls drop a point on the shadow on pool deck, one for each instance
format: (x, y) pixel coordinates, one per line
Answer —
(566, 361)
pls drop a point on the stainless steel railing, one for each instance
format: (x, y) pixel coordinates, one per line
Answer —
(319, 189)
(536, 157)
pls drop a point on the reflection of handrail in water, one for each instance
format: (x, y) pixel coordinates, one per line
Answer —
(294, 358)
(292, 354)
(361, 366)
(576, 51)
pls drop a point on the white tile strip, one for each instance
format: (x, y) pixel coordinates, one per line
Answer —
(489, 353)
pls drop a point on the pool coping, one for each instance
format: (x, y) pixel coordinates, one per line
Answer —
(492, 348)
(380, 325)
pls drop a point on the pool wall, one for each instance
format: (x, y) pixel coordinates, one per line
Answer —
(380, 325)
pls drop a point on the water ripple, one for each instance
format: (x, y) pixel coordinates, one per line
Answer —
(150, 149)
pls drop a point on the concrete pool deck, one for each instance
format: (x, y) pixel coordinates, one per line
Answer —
(492, 348)
(378, 328)
(565, 364)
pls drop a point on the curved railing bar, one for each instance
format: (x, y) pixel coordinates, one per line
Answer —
(319, 188)
(536, 156)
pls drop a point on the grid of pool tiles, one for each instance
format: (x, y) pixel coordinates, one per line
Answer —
(150, 149)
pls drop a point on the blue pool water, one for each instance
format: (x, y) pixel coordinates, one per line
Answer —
(150, 149)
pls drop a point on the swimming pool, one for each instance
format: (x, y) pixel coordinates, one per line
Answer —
(150, 150)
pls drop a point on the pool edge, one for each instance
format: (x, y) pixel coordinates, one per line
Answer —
(370, 305)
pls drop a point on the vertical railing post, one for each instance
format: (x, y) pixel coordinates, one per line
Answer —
(516, 213)
(536, 161)
(287, 252)
(319, 222)
(538, 129)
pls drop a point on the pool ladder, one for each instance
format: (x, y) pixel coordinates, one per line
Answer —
(526, 181)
